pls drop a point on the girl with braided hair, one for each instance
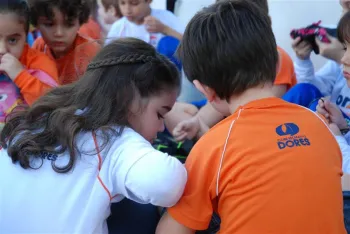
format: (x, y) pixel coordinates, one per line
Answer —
(86, 145)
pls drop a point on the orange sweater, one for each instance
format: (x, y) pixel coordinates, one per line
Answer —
(31, 80)
(73, 65)
(91, 29)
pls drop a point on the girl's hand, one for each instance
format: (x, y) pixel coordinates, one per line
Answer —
(10, 65)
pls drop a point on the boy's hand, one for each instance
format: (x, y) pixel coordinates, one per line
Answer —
(333, 50)
(153, 25)
(332, 113)
(187, 129)
(301, 48)
(10, 65)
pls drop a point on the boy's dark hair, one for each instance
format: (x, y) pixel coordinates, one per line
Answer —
(230, 47)
(19, 7)
(115, 3)
(122, 72)
(343, 29)
(263, 4)
(71, 9)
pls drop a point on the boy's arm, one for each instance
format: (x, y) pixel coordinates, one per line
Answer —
(154, 25)
(324, 79)
(168, 225)
(171, 32)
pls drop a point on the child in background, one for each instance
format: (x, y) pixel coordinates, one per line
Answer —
(89, 143)
(59, 22)
(108, 11)
(92, 29)
(26, 74)
(160, 28)
(260, 168)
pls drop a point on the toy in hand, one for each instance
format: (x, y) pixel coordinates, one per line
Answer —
(9, 97)
(312, 31)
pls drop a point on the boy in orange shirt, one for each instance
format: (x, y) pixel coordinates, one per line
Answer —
(25, 73)
(59, 22)
(271, 166)
(186, 121)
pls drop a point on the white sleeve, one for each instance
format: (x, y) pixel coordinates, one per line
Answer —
(345, 150)
(145, 175)
(324, 79)
(156, 178)
(114, 32)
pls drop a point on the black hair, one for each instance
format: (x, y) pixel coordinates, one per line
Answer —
(71, 9)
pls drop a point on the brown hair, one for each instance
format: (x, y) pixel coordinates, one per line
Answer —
(20, 8)
(114, 3)
(343, 29)
(125, 70)
(71, 9)
(245, 51)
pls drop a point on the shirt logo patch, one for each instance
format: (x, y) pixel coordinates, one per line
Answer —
(291, 137)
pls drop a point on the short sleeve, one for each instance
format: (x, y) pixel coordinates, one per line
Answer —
(195, 208)
(115, 31)
(143, 174)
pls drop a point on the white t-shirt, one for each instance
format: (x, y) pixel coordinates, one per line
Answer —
(124, 28)
(44, 201)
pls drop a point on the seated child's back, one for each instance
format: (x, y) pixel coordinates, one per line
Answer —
(59, 24)
(271, 166)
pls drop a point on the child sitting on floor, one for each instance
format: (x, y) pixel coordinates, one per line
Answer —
(59, 22)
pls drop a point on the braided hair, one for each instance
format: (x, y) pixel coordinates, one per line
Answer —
(122, 71)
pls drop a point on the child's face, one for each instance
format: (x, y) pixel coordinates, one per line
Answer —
(135, 10)
(149, 120)
(12, 35)
(58, 33)
(346, 63)
(107, 15)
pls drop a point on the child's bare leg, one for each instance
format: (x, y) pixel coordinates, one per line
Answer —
(181, 111)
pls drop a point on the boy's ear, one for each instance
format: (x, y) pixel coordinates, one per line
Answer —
(208, 92)
(149, 1)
